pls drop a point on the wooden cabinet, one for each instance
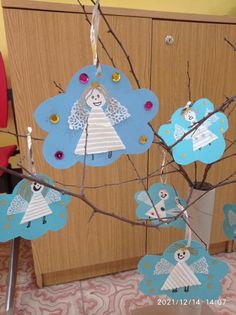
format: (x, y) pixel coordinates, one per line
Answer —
(50, 42)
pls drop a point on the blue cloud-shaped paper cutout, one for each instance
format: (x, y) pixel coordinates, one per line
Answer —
(132, 129)
(166, 207)
(230, 221)
(206, 144)
(204, 269)
(11, 216)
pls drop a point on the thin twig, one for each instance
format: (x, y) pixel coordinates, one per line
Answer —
(144, 187)
(189, 83)
(230, 43)
(59, 87)
(110, 30)
(84, 164)
(20, 136)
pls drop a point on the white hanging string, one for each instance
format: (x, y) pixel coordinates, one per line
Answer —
(188, 231)
(94, 36)
(30, 157)
(163, 163)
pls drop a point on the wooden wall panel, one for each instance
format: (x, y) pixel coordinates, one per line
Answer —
(212, 71)
(48, 46)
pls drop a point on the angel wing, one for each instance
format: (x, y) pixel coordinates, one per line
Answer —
(17, 205)
(211, 120)
(143, 197)
(231, 218)
(200, 266)
(78, 116)
(116, 112)
(52, 196)
(179, 132)
(151, 213)
(163, 267)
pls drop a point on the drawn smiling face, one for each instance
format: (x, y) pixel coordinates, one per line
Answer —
(190, 115)
(95, 99)
(36, 187)
(163, 194)
(182, 254)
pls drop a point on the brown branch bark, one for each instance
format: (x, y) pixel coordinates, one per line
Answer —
(230, 43)
(110, 30)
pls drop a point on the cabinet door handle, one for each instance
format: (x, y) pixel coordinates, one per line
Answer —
(169, 40)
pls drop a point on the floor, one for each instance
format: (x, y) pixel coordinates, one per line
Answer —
(115, 294)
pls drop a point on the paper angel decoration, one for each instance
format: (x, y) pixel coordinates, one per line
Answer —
(205, 143)
(32, 210)
(164, 198)
(100, 117)
(183, 272)
(230, 221)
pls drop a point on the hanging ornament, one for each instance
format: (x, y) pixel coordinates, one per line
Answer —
(183, 272)
(100, 115)
(205, 143)
(230, 221)
(32, 210)
(160, 204)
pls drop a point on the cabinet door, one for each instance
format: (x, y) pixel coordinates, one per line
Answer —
(51, 46)
(212, 65)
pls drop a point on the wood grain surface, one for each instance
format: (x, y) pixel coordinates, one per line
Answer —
(47, 45)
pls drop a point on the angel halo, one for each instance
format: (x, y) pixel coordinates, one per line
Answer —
(98, 134)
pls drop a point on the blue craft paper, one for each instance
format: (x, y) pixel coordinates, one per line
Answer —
(230, 221)
(10, 226)
(170, 204)
(210, 287)
(61, 138)
(183, 152)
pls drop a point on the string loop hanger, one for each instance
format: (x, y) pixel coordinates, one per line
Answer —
(94, 30)
(30, 155)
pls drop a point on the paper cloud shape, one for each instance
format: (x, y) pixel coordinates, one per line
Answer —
(103, 117)
(206, 143)
(183, 273)
(32, 210)
(230, 221)
(164, 198)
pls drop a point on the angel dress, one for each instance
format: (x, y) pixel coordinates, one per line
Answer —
(37, 208)
(101, 135)
(201, 137)
(159, 208)
(180, 276)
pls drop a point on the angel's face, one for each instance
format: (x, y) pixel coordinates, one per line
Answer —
(163, 194)
(182, 254)
(190, 115)
(95, 99)
(36, 187)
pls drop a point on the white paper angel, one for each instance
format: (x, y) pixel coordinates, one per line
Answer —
(159, 208)
(181, 275)
(34, 200)
(201, 136)
(99, 135)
